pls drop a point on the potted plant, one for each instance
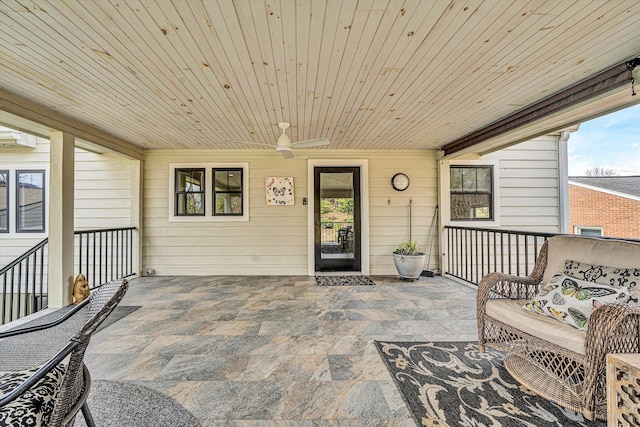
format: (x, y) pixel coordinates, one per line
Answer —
(409, 260)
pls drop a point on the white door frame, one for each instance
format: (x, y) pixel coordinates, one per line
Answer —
(363, 164)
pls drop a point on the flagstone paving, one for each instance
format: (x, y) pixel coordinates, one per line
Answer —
(276, 351)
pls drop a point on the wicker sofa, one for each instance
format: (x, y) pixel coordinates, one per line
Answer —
(552, 358)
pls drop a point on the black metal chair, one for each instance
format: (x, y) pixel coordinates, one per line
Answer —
(53, 393)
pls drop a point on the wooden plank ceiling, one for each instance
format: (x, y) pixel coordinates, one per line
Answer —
(366, 74)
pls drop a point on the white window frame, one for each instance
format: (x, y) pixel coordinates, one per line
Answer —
(495, 164)
(208, 195)
(13, 200)
(7, 194)
(577, 229)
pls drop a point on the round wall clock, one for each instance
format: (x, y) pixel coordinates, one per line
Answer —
(400, 182)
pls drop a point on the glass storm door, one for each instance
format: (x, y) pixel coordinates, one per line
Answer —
(337, 218)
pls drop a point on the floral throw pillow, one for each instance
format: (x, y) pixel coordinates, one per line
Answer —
(572, 301)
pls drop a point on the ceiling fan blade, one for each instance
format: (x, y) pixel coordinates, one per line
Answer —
(253, 143)
(310, 143)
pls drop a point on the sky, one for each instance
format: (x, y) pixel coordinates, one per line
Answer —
(609, 142)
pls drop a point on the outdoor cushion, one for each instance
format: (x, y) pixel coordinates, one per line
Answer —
(572, 301)
(542, 327)
(35, 406)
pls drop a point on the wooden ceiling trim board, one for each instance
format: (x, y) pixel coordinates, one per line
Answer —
(38, 92)
(37, 63)
(161, 68)
(454, 17)
(220, 20)
(134, 90)
(288, 31)
(166, 53)
(388, 105)
(496, 105)
(227, 25)
(210, 88)
(272, 53)
(303, 38)
(154, 80)
(374, 72)
(522, 25)
(308, 14)
(148, 92)
(377, 41)
(601, 39)
(182, 41)
(535, 63)
(596, 86)
(392, 67)
(333, 40)
(413, 103)
(22, 107)
(544, 76)
(367, 44)
(260, 53)
(461, 78)
(349, 26)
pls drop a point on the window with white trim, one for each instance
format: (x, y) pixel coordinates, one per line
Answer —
(588, 231)
(203, 192)
(4, 201)
(227, 191)
(471, 192)
(189, 192)
(30, 208)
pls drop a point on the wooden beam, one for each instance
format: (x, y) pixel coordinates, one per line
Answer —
(22, 107)
(591, 88)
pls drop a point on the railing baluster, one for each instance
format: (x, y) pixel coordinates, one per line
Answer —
(23, 282)
(18, 310)
(93, 267)
(111, 255)
(526, 255)
(80, 254)
(470, 254)
(100, 279)
(42, 280)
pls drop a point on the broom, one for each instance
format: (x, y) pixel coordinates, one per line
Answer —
(428, 272)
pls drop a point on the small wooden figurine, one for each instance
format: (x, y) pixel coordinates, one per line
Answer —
(80, 289)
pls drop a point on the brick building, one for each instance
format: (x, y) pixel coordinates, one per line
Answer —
(605, 206)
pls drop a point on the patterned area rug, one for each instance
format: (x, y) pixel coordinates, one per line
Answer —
(344, 281)
(454, 384)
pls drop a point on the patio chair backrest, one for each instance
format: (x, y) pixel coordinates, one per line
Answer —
(102, 303)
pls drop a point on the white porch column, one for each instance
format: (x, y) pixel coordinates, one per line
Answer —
(61, 211)
(137, 178)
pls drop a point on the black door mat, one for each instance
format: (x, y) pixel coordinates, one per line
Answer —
(344, 281)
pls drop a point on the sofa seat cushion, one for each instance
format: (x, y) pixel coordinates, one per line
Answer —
(35, 406)
(545, 328)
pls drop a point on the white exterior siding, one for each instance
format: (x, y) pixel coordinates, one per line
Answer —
(527, 184)
(275, 239)
(102, 193)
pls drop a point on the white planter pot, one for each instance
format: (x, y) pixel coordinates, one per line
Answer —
(409, 266)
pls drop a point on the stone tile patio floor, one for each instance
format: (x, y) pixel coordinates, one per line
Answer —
(277, 350)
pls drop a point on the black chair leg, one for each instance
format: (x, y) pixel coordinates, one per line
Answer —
(87, 415)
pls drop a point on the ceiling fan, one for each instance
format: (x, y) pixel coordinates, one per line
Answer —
(284, 144)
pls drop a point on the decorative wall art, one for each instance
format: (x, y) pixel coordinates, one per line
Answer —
(279, 191)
